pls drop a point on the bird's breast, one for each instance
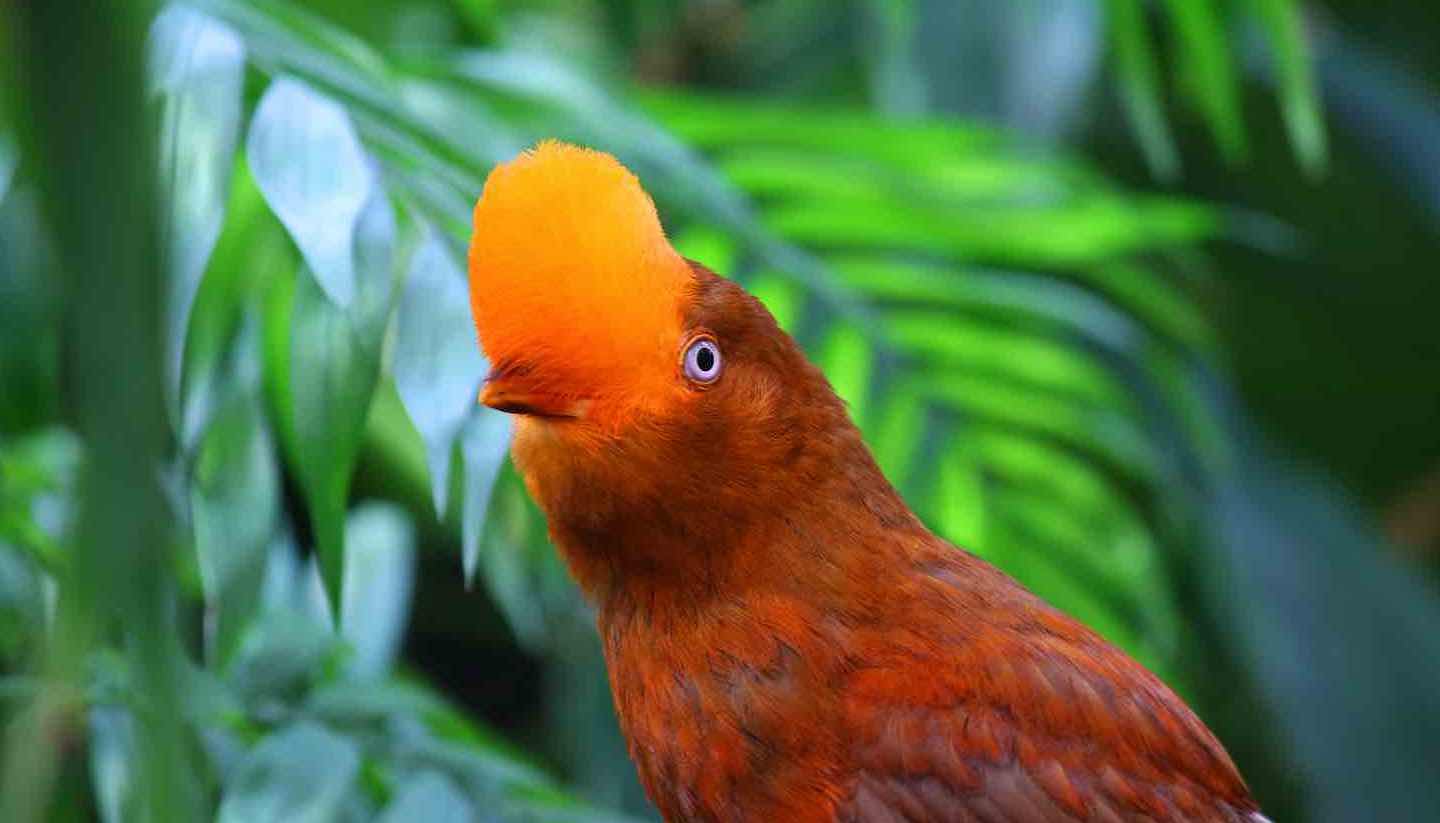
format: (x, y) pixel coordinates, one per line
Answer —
(727, 716)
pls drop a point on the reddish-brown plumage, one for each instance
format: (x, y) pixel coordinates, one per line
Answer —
(785, 640)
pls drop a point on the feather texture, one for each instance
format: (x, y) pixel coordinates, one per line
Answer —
(785, 640)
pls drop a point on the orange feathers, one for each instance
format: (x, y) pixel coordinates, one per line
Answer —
(786, 640)
(572, 280)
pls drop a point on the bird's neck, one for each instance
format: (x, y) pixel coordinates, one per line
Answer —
(816, 531)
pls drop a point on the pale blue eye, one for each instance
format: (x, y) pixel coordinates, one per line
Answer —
(702, 361)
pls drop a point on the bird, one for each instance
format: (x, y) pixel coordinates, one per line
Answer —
(785, 640)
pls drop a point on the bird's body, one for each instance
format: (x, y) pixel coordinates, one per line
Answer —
(786, 641)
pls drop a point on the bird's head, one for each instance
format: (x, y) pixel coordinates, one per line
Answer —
(649, 390)
(578, 298)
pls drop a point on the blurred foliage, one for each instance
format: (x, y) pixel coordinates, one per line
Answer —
(1031, 348)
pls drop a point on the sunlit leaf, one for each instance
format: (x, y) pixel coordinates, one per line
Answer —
(781, 295)
(960, 499)
(197, 69)
(437, 365)
(719, 122)
(379, 578)
(896, 431)
(301, 773)
(847, 359)
(1074, 234)
(976, 348)
(991, 179)
(709, 247)
(306, 158)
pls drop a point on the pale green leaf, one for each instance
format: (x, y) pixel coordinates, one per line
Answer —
(308, 161)
(379, 582)
(9, 161)
(332, 376)
(301, 774)
(197, 70)
(235, 507)
(112, 755)
(428, 796)
(437, 364)
(483, 444)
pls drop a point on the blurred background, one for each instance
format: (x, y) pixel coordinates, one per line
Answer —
(1136, 299)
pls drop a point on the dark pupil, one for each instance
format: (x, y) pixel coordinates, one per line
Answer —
(705, 359)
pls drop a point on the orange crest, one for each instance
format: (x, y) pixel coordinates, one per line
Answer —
(572, 279)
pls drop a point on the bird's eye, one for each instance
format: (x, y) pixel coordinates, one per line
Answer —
(702, 361)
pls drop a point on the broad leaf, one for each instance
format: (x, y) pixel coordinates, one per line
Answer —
(306, 158)
(438, 367)
(197, 69)
(332, 376)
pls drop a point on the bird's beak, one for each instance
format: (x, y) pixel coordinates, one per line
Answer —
(512, 395)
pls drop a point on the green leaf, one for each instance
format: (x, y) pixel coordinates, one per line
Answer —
(1340, 635)
(896, 431)
(22, 603)
(847, 359)
(483, 443)
(302, 773)
(332, 377)
(235, 507)
(333, 368)
(308, 161)
(781, 295)
(283, 654)
(379, 579)
(960, 499)
(197, 69)
(1284, 24)
(981, 348)
(1208, 71)
(9, 161)
(1140, 86)
(710, 247)
(428, 795)
(112, 753)
(437, 365)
